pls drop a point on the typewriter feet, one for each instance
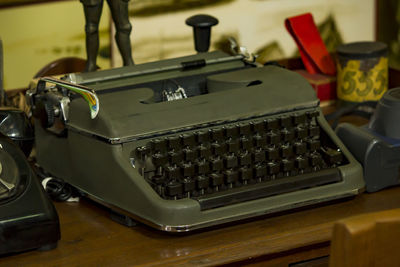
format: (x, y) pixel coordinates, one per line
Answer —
(122, 219)
(48, 247)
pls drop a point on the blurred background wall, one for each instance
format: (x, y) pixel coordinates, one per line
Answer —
(35, 34)
(388, 28)
(159, 29)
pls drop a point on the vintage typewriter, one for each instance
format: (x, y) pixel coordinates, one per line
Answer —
(191, 142)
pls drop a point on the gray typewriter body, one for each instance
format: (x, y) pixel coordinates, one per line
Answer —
(247, 141)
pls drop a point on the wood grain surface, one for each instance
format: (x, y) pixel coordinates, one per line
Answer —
(367, 240)
(90, 238)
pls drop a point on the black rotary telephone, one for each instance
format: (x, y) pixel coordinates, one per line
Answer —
(28, 219)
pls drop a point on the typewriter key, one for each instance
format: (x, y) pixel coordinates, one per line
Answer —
(313, 144)
(300, 148)
(203, 167)
(202, 136)
(244, 159)
(272, 124)
(230, 161)
(233, 145)
(258, 126)
(314, 130)
(159, 145)
(272, 153)
(231, 177)
(205, 151)
(315, 159)
(173, 189)
(188, 140)
(216, 179)
(232, 131)
(245, 174)
(216, 164)
(299, 118)
(301, 162)
(260, 171)
(301, 132)
(244, 129)
(285, 121)
(174, 142)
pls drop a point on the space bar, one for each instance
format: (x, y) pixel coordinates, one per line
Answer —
(270, 188)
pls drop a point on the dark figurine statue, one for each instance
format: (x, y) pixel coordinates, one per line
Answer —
(119, 13)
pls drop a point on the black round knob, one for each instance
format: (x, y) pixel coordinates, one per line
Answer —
(202, 30)
(44, 111)
(15, 125)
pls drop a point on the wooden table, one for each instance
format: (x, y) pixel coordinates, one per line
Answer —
(91, 238)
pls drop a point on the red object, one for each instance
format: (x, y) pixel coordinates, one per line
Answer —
(324, 85)
(314, 54)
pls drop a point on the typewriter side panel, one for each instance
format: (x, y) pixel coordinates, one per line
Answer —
(53, 153)
(352, 173)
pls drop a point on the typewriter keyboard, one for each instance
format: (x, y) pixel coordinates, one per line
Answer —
(241, 161)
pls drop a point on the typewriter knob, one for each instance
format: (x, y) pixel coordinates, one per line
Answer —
(44, 111)
(202, 30)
